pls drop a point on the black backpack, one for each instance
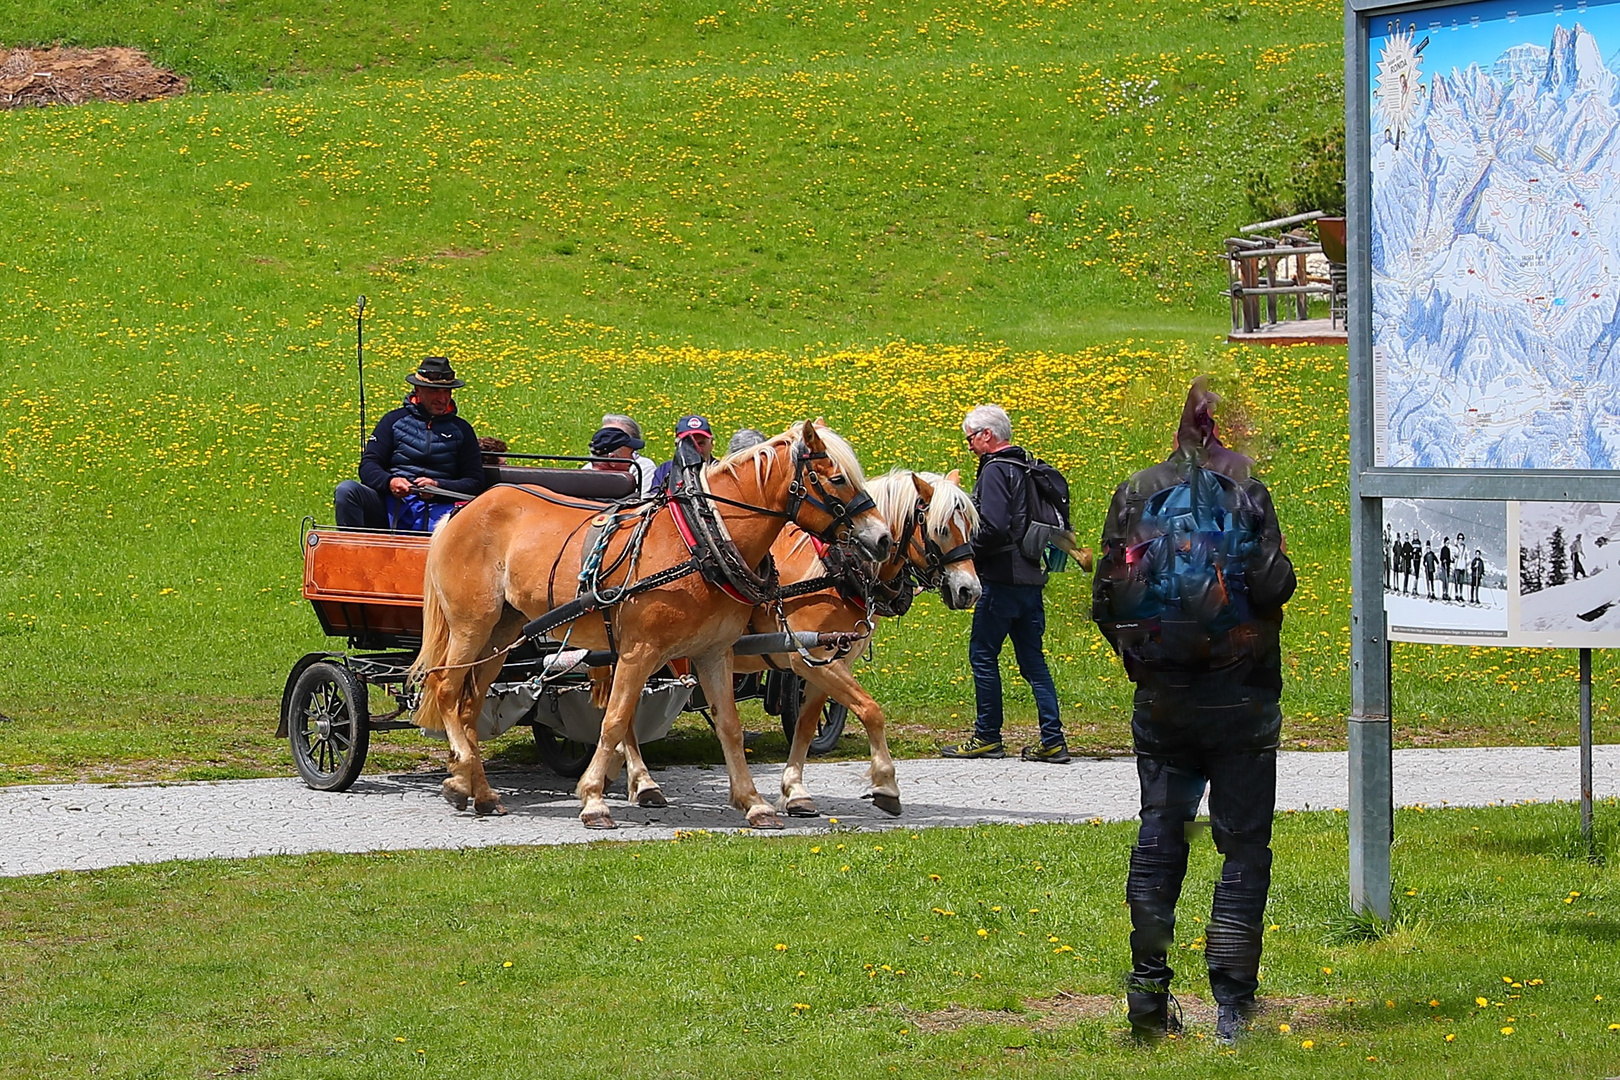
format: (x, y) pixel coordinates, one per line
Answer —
(1046, 503)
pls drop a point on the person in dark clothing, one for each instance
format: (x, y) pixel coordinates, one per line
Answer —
(1577, 569)
(1445, 568)
(419, 446)
(1476, 574)
(1012, 604)
(1206, 713)
(694, 442)
(1430, 561)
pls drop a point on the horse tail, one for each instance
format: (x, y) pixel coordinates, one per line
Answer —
(434, 653)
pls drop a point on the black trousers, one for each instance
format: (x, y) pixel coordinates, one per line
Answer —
(359, 507)
(1189, 737)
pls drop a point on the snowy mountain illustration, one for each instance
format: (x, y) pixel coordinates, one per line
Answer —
(1496, 264)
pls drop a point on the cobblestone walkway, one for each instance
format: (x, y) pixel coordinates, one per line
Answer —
(88, 826)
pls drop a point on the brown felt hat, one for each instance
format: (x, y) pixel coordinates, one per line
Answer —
(435, 373)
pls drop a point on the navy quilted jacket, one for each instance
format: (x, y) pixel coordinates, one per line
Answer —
(408, 442)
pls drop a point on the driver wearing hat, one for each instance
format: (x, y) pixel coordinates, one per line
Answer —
(422, 444)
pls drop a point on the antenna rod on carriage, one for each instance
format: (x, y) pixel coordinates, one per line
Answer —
(360, 361)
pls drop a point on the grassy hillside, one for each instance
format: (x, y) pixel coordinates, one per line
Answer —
(882, 215)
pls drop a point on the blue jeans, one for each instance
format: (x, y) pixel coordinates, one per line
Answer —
(1223, 738)
(1014, 611)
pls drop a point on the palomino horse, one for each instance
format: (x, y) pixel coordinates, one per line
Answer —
(516, 553)
(932, 521)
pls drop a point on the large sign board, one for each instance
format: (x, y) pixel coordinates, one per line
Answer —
(1495, 235)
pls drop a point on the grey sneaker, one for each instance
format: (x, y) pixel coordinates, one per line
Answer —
(1231, 1023)
(1055, 754)
(975, 748)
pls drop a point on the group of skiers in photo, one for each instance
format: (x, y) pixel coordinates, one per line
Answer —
(1411, 563)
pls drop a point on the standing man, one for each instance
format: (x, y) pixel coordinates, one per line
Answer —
(1386, 556)
(1460, 568)
(1430, 561)
(1445, 568)
(694, 442)
(1577, 569)
(1189, 591)
(1012, 605)
(1476, 574)
(422, 444)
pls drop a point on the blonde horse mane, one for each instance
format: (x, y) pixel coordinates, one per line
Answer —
(764, 456)
(896, 496)
(949, 504)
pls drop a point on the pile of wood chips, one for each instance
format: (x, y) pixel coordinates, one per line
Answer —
(65, 76)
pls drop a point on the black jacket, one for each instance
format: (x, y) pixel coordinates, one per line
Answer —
(1001, 493)
(408, 442)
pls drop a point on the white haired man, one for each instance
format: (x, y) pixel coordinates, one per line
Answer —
(645, 466)
(1012, 604)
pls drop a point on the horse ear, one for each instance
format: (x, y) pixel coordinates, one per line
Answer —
(925, 490)
(811, 437)
(954, 477)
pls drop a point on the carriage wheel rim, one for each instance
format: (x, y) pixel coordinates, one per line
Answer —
(323, 732)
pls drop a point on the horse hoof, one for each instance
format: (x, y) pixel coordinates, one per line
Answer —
(485, 809)
(805, 807)
(454, 798)
(765, 819)
(651, 799)
(889, 804)
(597, 819)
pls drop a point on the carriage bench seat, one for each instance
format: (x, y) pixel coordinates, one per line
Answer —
(579, 483)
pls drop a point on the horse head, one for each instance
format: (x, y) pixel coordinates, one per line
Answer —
(827, 496)
(944, 542)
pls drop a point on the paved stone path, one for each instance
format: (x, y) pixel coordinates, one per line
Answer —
(88, 826)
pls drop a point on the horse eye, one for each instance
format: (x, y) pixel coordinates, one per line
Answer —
(838, 478)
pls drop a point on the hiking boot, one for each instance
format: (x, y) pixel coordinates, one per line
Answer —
(1231, 1023)
(975, 748)
(1053, 753)
(1153, 1014)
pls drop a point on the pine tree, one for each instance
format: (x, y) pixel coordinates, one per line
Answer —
(1559, 561)
(1528, 582)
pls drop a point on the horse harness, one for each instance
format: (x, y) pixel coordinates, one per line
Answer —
(713, 554)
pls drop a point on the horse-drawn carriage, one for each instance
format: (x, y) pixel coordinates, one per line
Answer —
(365, 587)
(595, 616)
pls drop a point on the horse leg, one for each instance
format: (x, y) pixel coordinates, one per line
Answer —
(445, 689)
(796, 798)
(714, 675)
(642, 789)
(847, 690)
(635, 666)
(467, 778)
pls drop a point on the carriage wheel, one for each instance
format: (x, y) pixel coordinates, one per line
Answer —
(563, 756)
(829, 729)
(328, 726)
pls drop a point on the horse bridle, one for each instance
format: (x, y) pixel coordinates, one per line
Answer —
(935, 559)
(799, 495)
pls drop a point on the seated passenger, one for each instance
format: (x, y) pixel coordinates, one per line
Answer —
(420, 445)
(745, 439)
(491, 449)
(694, 441)
(645, 466)
(615, 444)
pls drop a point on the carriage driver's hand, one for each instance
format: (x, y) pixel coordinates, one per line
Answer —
(399, 486)
(424, 482)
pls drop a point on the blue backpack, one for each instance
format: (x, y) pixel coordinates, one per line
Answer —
(1181, 600)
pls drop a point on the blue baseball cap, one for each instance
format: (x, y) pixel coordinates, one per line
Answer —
(692, 425)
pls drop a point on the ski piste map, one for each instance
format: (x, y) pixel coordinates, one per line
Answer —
(1495, 236)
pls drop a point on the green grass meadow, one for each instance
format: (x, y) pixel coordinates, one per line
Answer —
(986, 952)
(879, 214)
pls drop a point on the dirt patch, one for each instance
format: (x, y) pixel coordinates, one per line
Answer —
(1064, 1008)
(63, 76)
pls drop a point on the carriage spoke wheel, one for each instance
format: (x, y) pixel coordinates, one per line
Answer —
(829, 727)
(328, 726)
(562, 755)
